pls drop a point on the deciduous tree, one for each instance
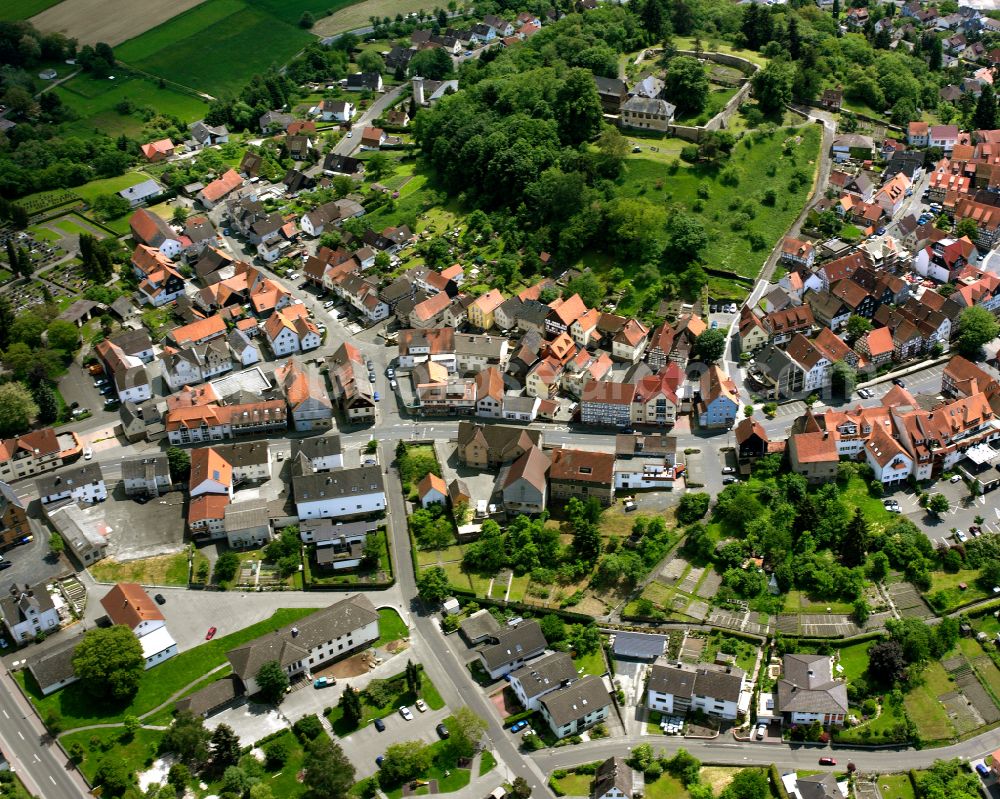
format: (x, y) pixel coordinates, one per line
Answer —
(272, 680)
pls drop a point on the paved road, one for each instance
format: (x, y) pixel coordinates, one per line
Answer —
(37, 760)
(346, 145)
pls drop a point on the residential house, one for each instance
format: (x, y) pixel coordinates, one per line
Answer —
(475, 353)
(489, 446)
(28, 612)
(614, 779)
(918, 134)
(220, 188)
(157, 150)
(577, 707)
(54, 669)
(540, 677)
(308, 401)
(339, 493)
(483, 310)
(128, 372)
(563, 313)
(511, 647)
(524, 486)
(290, 331)
(361, 81)
(350, 387)
(489, 393)
(310, 643)
(29, 454)
(141, 192)
(718, 399)
(963, 378)
(656, 401)
(752, 442)
(612, 92)
(943, 136)
(84, 534)
(247, 524)
(82, 483)
(647, 113)
(334, 110)
(153, 231)
(323, 452)
(797, 252)
(808, 692)
(146, 476)
(208, 135)
(708, 688)
(432, 490)
(814, 455)
(630, 342)
(372, 138)
(582, 474)
(852, 146)
(127, 604)
(14, 526)
(607, 404)
(204, 423)
(160, 282)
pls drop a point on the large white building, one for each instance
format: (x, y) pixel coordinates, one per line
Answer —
(714, 690)
(129, 605)
(81, 484)
(338, 493)
(305, 645)
(540, 677)
(577, 706)
(29, 612)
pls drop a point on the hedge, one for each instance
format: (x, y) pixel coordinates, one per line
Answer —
(777, 784)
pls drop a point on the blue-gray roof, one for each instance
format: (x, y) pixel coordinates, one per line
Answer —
(639, 645)
(148, 188)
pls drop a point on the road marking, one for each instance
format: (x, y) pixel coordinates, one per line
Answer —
(37, 758)
(5, 715)
(20, 735)
(51, 780)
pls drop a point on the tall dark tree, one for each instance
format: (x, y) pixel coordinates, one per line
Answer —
(225, 746)
(794, 38)
(12, 254)
(24, 265)
(413, 677)
(578, 108)
(328, 772)
(350, 705)
(886, 663)
(48, 408)
(985, 117)
(6, 320)
(854, 544)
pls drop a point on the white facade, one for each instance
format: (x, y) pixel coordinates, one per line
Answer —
(333, 507)
(157, 645)
(34, 621)
(94, 491)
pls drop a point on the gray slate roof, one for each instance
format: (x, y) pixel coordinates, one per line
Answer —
(545, 674)
(639, 645)
(479, 625)
(54, 666)
(287, 647)
(514, 643)
(576, 700)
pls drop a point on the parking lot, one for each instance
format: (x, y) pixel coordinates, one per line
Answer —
(142, 531)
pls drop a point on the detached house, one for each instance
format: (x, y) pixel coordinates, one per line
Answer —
(290, 331)
(29, 612)
(577, 707)
(129, 605)
(713, 690)
(511, 647)
(807, 691)
(83, 483)
(160, 282)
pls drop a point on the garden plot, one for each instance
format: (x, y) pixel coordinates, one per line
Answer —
(961, 712)
(710, 585)
(908, 601)
(674, 570)
(985, 707)
(828, 626)
(690, 582)
(692, 649)
(698, 610)
(737, 620)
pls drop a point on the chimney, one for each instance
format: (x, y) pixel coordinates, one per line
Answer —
(418, 90)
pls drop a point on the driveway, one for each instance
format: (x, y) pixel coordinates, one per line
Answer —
(249, 721)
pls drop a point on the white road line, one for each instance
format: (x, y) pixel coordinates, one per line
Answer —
(20, 735)
(5, 715)
(51, 780)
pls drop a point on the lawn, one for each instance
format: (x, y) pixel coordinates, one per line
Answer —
(159, 570)
(90, 191)
(101, 743)
(896, 786)
(401, 695)
(591, 664)
(728, 249)
(67, 225)
(746, 653)
(390, 627)
(666, 787)
(94, 102)
(246, 39)
(487, 762)
(854, 660)
(798, 602)
(22, 9)
(945, 594)
(572, 784)
(718, 96)
(714, 46)
(43, 234)
(78, 707)
(923, 707)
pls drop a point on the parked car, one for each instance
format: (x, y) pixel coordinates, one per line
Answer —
(728, 480)
(880, 231)
(442, 731)
(393, 385)
(517, 726)
(79, 412)
(962, 537)
(88, 453)
(897, 381)
(379, 725)
(406, 713)
(955, 478)
(714, 324)
(371, 377)
(390, 373)
(324, 682)
(376, 396)
(160, 599)
(210, 634)
(293, 276)
(421, 705)
(827, 761)
(761, 732)
(379, 761)
(728, 470)
(982, 770)
(327, 305)
(5, 564)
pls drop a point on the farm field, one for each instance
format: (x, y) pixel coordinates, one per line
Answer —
(246, 38)
(95, 100)
(356, 15)
(647, 175)
(22, 9)
(111, 21)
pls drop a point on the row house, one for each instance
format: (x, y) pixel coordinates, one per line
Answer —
(349, 384)
(718, 399)
(128, 372)
(363, 295)
(524, 484)
(482, 312)
(582, 474)
(660, 346)
(153, 231)
(563, 313)
(607, 404)
(656, 402)
(837, 269)
(449, 396)
(83, 483)
(199, 332)
(430, 312)
(982, 291)
(987, 219)
(340, 493)
(29, 454)
(474, 353)
(796, 252)
(963, 378)
(893, 193)
(420, 346)
(305, 392)
(204, 423)
(490, 446)
(583, 368)
(630, 342)
(195, 363)
(708, 688)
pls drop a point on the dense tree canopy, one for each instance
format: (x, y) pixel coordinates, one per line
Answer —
(109, 661)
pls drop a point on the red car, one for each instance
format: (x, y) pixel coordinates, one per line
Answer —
(827, 761)
(210, 634)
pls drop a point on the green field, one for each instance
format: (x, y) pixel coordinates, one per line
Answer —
(245, 39)
(648, 175)
(90, 191)
(895, 786)
(95, 100)
(108, 743)
(22, 9)
(854, 659)
(923, 708)
(290, 10)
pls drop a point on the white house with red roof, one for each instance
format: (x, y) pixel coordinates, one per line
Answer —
(290, 331)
